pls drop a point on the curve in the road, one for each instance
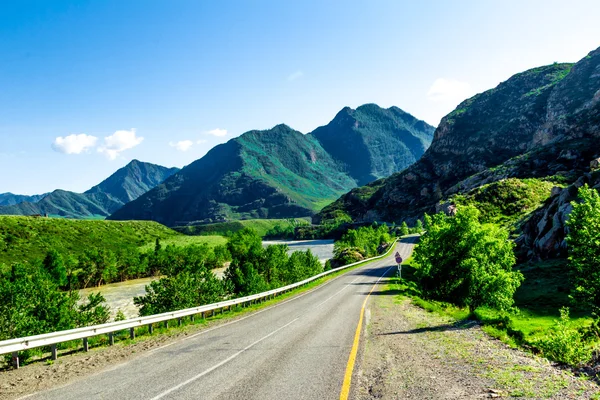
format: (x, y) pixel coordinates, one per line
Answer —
(296, 349)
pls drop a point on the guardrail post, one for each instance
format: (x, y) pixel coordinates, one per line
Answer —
(111, 338)
(131, 333)
(86, 345)
(167, 324)
(203, 317)
(179, 322)
(191, 318)
(54, 352)
(150, 329)
(15, 359)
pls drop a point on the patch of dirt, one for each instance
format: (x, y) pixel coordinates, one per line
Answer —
(409, 353)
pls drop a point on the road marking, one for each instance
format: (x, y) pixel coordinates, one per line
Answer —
(204, 331)
(196, 377)
(252, 314)
(352, 359)
(192, 379)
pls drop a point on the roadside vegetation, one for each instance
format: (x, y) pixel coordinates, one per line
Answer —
(42, 295)
(464, 267)
(227, 229)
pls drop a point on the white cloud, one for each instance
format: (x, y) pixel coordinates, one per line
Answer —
(449, 91)
(295, 76)
(74, 144)
(182, 145)
(217, 132)
(119, 142)
(200, 141)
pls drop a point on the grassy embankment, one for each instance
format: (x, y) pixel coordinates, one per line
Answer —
(537, 303)
(545, 289)
(25, 239)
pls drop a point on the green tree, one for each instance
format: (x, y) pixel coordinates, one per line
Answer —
(419, 226)
(185, 290)
(404, 229)
(55, 266)
(247, 255)
(583, 243)
(31, 303)
(467, 263)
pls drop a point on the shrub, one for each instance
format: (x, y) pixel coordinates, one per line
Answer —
(564, 343)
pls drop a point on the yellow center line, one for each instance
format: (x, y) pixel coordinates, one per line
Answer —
(352, 359)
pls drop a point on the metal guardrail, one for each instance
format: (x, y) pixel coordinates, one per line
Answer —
(52, 339)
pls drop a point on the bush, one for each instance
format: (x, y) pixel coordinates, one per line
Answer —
(466, 263)
(185, 290)
(358, 244)
(564, 343)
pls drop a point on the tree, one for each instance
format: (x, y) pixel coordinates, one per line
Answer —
(404, 229)
(583, 242)
(55, 266)
(467, 263)
(185, 290)
(419, 226)
(247, 256)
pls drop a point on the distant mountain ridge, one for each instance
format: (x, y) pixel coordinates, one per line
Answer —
(281, 173)
(124, 185)
(373, 142)
(9, 199)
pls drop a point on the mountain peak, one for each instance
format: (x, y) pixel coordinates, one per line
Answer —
(373, 142)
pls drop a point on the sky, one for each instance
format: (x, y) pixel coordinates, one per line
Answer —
(87, 86)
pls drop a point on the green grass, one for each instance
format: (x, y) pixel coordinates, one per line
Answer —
(25, 239)
(226, 228)
(544, 291)
(182, 241)
(508, 201)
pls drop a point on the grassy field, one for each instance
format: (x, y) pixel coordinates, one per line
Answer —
(24, 239)
(183, 240)
(226, 228)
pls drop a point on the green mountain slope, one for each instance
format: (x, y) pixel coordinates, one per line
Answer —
(133, 180)
(539, 123)
(102, 200)
(262, 174)
(9, 199)
(281, 173)
(373, 142)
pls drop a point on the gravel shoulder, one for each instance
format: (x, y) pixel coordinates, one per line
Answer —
(409, 353)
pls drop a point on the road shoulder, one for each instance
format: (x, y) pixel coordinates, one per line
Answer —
(410, 353)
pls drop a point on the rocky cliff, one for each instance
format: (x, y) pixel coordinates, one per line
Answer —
(542, 122)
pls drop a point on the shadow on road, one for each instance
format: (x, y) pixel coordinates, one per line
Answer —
(465, 324)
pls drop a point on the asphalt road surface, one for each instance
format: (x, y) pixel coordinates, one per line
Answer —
(296, 349)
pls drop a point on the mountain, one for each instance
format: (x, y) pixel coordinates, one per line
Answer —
(282, 173)
(124, 185)
(133, 180)
(543, 123)
(373, 142)
(9, 199)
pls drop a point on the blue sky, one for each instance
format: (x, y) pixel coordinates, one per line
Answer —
(87, 86)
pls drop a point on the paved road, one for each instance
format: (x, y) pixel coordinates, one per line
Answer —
(297, 349)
